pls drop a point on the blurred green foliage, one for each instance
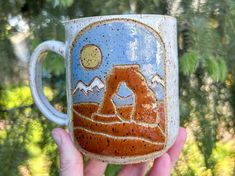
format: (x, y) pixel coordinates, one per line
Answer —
(206, 32)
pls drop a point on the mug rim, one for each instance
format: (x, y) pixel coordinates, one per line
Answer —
(120, 15)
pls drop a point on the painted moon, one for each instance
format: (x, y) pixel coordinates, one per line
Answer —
(91, 56)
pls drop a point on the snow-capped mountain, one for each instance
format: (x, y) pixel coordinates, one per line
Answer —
(95, 84)
(157, 79)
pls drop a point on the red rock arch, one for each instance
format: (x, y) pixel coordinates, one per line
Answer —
(145, 107)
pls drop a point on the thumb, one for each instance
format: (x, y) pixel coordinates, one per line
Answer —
(71, 162)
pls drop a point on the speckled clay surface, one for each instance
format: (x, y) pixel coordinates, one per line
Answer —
(122, 79)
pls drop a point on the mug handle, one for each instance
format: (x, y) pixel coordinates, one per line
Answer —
(35, 78)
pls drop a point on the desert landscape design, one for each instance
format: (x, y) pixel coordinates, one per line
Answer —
(131, 130)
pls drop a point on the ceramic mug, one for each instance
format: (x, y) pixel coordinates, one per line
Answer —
(122, 85)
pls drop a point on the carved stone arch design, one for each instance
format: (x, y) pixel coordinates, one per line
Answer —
(145, 105)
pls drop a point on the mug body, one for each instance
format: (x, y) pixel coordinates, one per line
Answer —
(122, 75)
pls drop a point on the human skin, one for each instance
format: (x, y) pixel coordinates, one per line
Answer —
(71, 160)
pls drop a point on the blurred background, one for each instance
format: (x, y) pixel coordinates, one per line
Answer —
(206, 46)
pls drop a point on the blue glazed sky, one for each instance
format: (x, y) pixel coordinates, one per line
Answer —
(120, 43)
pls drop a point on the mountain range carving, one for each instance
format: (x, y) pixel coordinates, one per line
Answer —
(95, 84)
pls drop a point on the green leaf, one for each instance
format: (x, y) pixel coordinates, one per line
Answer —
(189, 62)
(223, 69)
(213, 68)
(217, 68)
(64, 3)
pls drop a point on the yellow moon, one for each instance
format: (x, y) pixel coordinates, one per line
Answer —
(90, 56)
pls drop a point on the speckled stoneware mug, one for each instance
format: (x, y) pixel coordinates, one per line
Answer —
(122, 85)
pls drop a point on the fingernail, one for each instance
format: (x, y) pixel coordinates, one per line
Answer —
(56, 137)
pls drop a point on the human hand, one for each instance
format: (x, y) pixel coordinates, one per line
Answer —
(71, 160)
